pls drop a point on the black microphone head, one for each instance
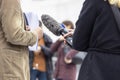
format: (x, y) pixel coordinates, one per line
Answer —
(51, 24)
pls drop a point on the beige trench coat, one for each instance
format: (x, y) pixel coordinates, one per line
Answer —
(14, 62)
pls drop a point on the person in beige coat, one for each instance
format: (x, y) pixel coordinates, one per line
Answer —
(14, 42)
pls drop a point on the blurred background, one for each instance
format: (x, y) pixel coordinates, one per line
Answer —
(60, 10)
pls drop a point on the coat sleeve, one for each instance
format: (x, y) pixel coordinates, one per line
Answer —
(46, 47)
(13, 24)
(84, 25)
(55, 46)
(48, 40)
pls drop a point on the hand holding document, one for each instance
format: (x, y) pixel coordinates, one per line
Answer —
(33, 23)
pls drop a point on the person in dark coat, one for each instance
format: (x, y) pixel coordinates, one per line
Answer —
(48, 57)
(97, 33)
(40, 61)
(36, 71)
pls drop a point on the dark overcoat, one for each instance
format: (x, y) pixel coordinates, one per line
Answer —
(97, 32)
(48, 56)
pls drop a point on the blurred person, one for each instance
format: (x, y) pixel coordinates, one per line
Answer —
(40, 61)
(64, 70)
(32, 21)
(42, 68)
(97, 33)
(70, 57)
(14, 42)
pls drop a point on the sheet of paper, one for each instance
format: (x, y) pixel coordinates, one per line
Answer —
(33, 22)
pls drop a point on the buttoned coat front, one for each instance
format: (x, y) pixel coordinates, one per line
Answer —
(14, 62)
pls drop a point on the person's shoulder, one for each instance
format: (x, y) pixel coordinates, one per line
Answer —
(47, 37)
(97, 1)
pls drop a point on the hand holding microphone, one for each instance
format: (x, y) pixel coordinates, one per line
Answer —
(56, 28)
(69, 33)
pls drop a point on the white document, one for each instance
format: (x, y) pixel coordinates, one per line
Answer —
(33, 22)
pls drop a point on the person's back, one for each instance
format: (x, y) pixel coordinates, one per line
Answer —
(97, 32)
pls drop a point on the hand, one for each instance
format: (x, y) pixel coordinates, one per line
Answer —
(70, 33)
(38, 49)
(39, 32)
(27, 28)
(61, 38)
(68, 61)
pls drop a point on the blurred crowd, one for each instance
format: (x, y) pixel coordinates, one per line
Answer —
(26, 51)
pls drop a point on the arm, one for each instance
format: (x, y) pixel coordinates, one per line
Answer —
(48, 40)
(46, 51)
(49, 51)
(54, 47)
(46, 47)
(75, 57)
(84, 25)
(13, 24)
(70, 55)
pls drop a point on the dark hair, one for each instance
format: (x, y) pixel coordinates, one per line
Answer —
(67, 23)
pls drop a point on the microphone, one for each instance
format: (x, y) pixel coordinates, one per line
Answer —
(55, 27)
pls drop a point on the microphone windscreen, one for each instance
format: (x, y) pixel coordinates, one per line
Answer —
(55, 27)
(51, 24)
